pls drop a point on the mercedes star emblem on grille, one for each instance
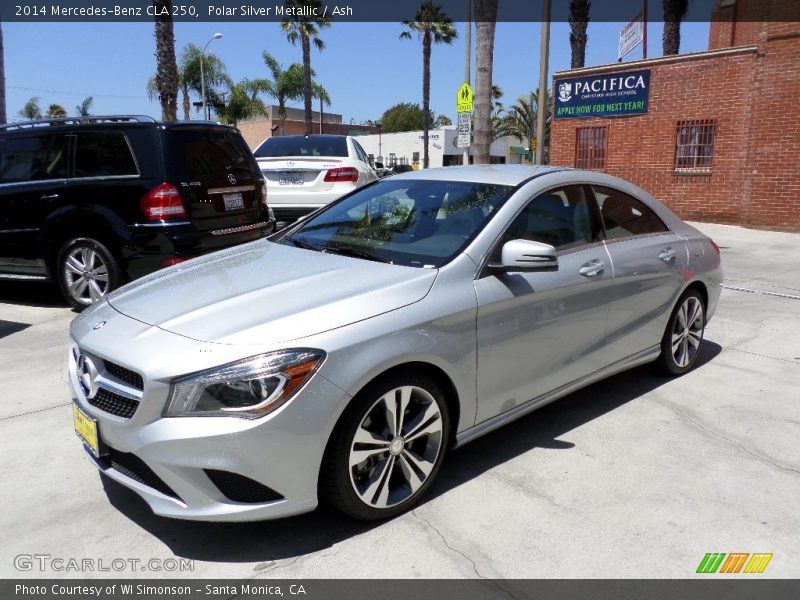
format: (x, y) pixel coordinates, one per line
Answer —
(86, 373)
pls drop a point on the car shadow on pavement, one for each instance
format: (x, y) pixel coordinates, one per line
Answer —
(32, 293)
(268, 541)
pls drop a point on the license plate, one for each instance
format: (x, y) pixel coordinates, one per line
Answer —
(290, 179)
(86, 428)
(233, 201)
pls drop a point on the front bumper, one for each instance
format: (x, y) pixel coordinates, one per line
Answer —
(282, 451)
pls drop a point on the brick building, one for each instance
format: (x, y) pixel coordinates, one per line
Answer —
(256, 131)
(715, 135)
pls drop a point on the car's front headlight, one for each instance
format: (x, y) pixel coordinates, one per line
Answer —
(249, 388)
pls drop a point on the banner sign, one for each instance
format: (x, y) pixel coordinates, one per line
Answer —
(631, 35)
(605, 95)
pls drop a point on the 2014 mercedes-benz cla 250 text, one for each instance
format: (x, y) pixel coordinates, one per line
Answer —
(345, 356)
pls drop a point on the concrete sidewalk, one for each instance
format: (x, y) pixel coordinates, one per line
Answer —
(637, 476)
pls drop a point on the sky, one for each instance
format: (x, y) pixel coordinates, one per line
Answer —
(365, 67)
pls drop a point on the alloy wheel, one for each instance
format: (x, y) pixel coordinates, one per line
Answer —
(687, 333)
(396, 446)
(86, 275)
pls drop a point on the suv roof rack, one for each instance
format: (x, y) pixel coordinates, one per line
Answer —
(90, 120)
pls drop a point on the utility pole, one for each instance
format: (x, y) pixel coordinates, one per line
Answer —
(468, 44)
(544, 51)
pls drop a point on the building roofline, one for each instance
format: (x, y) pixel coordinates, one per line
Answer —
(656, 61)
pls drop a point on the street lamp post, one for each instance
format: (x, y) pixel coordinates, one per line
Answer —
(216, 36)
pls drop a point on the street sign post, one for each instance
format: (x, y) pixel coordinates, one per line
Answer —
(464, 101)
(464, 98)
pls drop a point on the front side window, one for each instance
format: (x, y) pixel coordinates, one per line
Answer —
(590, 148)
(103, 154)
(624, 215)
(560, 217)
(694, 146)
(418, 223)
(33, 158)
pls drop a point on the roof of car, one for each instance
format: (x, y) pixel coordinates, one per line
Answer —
(101, 121)
(499, 174)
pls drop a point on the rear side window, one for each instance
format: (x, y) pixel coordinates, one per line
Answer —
(202, 155)
(33, 158)
(296, 145)
(103, 154)
(624, 215)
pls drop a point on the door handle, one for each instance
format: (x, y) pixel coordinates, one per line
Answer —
(667, 254)
(50, 196)
(592, 268)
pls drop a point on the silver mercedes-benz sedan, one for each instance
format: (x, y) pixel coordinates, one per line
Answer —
(343, 358)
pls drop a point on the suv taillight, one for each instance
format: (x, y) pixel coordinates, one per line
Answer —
(163, 202)
(264, 194)
(341, 174)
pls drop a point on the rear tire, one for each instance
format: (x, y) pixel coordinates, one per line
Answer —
(683, 337)
(86, 271)
(387, 448)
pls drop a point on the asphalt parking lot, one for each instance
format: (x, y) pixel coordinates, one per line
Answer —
(637, 476)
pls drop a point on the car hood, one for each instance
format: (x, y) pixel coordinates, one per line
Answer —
(265, 293)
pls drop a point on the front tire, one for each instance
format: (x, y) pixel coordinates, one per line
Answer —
(86, 271)
(683, 337)
(387, 448)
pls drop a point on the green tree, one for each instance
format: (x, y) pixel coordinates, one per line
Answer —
(31, 110)
(441, 121)
(3, 116)
(303, 27)
(519, 121)
(285, 85)
(674, 11)
(485, 22)
(432, 26)
(404, 116)
(189, 79)
(240, 101)
(84, 107)
(578, 22)
(56, 111)
(166, 65)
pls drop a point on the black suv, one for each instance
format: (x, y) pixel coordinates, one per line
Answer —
(94, 202)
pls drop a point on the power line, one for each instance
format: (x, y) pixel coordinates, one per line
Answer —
(44, 91)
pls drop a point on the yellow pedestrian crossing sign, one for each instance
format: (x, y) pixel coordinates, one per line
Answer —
(464, 98)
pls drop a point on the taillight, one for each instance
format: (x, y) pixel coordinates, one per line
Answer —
(163, 202)
(713, 245)
(341, 174)
(264, 194)
(168, 262)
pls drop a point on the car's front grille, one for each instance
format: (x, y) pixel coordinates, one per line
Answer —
(132, 378)
(240, 488)
(134, 467)
(114, 403)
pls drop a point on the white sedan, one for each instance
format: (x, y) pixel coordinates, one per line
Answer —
(304, 173)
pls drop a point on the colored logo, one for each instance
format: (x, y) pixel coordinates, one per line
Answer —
(735, 562)
(565, 92)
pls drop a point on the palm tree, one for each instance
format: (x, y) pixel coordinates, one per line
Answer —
(485, 21)
(304, 27)
(433, 26)
(167, 67)
(56, 111)
(31, 110)
(520, 121)
(285, 85)
(321, 94)
(3, 116)
(84, 107)
(578, 21)
(241, 101)
(189, 79)
(674, 11)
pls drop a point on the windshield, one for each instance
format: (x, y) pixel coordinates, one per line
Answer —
(418, 223)
(298, 145)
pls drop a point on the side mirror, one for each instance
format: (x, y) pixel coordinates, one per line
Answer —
(526, 256)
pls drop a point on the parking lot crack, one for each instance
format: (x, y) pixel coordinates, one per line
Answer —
(449, 546)
(686, 417)
(34, 412)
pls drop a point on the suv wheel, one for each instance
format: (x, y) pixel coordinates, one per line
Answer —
(86, 271)
(387, 449)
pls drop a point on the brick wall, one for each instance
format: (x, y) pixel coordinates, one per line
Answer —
(754, 95)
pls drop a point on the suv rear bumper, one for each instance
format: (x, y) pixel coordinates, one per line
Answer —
(153, 246)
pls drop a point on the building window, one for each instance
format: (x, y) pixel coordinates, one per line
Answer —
(694, 145)
(590, 147)
(415, 157)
